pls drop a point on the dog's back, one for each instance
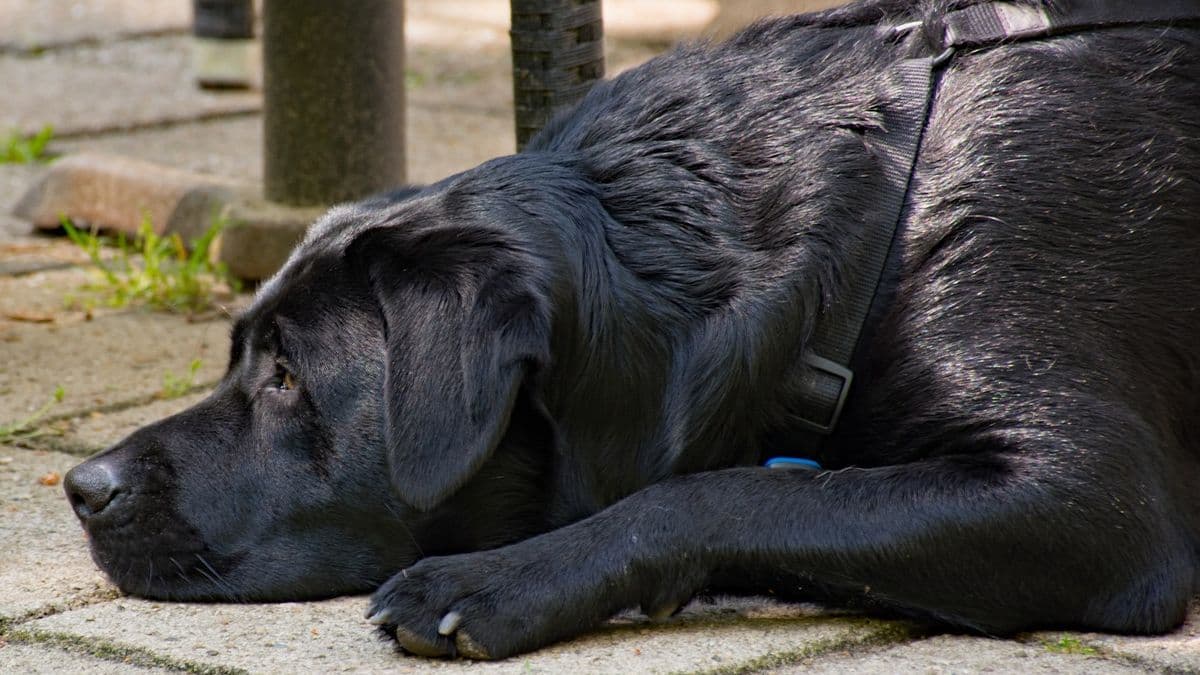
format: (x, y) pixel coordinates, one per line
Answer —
(1045, 288)
(1053, 227)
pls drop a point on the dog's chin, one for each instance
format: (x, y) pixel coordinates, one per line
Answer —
(178, 573)
(204, 576)
(178, 565)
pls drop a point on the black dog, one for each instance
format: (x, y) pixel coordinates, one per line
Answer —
(541, 391)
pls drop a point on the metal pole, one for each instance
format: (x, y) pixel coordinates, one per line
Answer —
(333, 110)
(557, 53)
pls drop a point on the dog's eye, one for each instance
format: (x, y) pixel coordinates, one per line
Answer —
(287, 381)
(284, 380)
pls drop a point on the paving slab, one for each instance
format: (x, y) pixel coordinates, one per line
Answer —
(37, 296)
(33, 25)
(53, 23)
(15, 179)
(230, 147)
(11, 227)
(446, 140)
(450, 128)
(25, 253)
(44, 560)
(455, 23)
(74, 89)
(71, 89)
(92, 432)
(43, 280)
(460, 114)
(110, 361)
(1176, 652)
(332, 635)
(962, 654)
(43, 660)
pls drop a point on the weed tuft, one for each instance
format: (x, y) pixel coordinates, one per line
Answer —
(20, 149)
(1069, 645)
(27, 429)
(175, 386)
(154, 271)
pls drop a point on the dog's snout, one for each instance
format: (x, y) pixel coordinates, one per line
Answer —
(91, 487)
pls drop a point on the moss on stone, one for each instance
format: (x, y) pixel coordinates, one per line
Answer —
(111, 651)
(869, 633)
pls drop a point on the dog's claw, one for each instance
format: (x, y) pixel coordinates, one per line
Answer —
(449, 623)
(469, 648)
(663, 612)
(416, 645)
(379, 618)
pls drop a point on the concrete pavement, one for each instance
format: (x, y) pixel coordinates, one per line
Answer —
(111, 76)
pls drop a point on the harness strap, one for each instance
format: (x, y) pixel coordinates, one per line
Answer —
(829, 377)
(1001, 22)
(836, 336)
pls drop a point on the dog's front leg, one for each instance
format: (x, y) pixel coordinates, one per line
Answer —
(492, 604)
(981, 541)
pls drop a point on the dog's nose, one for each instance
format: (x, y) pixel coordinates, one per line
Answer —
(91, 487)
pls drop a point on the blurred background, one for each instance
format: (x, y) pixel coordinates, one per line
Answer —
(121, 77)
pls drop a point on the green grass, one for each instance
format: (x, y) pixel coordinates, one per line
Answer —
(154, 271)
(1069, 645)
(175, 386)
(26, 429)
(17, 148)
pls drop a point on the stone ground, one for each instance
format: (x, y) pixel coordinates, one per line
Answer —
(112, 75)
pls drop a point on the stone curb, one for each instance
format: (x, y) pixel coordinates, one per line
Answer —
(260, 235)
(119, 193)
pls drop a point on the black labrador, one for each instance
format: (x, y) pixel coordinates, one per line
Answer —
(541, 391)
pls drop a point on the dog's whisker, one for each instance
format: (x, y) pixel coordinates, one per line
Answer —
(407, 530)
(182, 574)
(215, 577)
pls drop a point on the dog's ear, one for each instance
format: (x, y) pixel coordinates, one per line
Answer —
(464, 322)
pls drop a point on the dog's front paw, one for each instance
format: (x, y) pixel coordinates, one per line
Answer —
(486, 605)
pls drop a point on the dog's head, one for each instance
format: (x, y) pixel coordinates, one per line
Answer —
(369, 388)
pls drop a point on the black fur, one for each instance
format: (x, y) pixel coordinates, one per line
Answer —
(542, 388)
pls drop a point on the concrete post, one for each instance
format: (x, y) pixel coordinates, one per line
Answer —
(557, 53)
(333, 111)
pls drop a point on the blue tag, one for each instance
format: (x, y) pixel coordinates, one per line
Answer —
(792, 463)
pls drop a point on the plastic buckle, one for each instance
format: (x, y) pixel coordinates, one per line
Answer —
(941, 59)
(839, 371)
(793, 463)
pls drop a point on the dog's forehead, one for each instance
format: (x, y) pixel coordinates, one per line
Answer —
(330, 235)
(335, 231)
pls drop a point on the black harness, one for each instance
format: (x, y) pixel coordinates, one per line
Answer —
(983, 26)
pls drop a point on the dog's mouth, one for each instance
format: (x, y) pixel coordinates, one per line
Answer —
(151, 552)
(126, 504)
(158, 530)
(148, 550)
